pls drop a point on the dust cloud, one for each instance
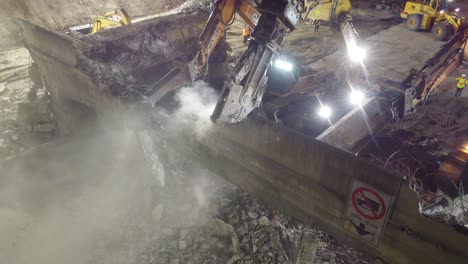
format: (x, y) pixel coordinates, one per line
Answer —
(196, 105)
(107, 195)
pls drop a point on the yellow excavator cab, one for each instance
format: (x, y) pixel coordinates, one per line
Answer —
(432, 15)
(327, 10)
(111, 19)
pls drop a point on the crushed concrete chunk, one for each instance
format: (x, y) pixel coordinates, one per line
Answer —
(264, 221)
(252, 215)
(307, 249)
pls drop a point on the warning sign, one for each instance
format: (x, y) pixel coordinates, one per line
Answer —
(366, 212)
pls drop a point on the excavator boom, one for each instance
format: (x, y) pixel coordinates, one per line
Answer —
(221, 17)
(111, 19)
(245, 90)
(436, 70)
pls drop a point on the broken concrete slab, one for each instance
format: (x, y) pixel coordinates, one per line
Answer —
(307, 249)
(355, 126)
(89, 74)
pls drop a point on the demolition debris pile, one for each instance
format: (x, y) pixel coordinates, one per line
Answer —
(244, 231)
(130, 61)
(429, 149)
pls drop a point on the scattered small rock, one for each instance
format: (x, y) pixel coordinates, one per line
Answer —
(182, 244)
(263, 221)
(252, 215)
(3, 88)
(218, 227)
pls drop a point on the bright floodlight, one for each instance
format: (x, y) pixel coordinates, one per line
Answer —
(356, 97)
(325, 112)
(465, 148)
(356, 53)
(442, 11)
(283, 65)
(457, 9)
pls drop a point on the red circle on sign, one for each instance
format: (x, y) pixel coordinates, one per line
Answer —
(372, 214)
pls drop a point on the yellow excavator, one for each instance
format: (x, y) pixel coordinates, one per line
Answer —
(112, 19)
(432, 16)
(331, 10)
(270, 20)
(421, 84)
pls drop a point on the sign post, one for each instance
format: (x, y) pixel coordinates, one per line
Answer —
(367, 211)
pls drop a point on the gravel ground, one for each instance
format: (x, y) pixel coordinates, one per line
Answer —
(25, 120)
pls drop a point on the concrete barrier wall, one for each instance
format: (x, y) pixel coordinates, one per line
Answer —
(311, 181)
(357, 125)
(56, 55)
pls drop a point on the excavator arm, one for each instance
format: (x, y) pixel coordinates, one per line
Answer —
(244, 90)
(111, 19)
(421, 84)
(271, 20)
(222, 16)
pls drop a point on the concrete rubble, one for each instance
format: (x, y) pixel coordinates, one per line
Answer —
(130, 62)
(244, 231)
(454, 211)
(419, 148)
